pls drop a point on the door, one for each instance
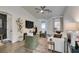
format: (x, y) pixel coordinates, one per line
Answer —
(3, 25)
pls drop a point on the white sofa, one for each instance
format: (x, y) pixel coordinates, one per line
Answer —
(59, 43)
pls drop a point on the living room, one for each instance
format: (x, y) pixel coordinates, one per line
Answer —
(51, 21)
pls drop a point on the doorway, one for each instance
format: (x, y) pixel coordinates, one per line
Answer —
(3, 26)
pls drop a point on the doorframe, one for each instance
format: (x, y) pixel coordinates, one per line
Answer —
(9, 27)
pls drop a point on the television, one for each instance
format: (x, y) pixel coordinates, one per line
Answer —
(29, 24)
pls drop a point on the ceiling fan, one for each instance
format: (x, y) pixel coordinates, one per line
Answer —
(42, 10)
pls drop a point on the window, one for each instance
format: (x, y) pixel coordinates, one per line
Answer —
(57, 25)
(43, 25)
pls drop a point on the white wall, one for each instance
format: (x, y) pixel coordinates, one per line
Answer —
(50, 26)
(16, 12)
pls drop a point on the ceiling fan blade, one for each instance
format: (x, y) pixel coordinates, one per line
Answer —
(42, 7)
(37, 9)
(47, 10)
(50, 11)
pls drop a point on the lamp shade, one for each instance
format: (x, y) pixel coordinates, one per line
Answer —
(70, 26)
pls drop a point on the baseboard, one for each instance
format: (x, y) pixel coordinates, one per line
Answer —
(53, 51)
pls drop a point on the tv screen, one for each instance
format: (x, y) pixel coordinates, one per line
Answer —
(29, 24)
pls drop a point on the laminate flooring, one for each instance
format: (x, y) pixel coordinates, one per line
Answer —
(19, 47)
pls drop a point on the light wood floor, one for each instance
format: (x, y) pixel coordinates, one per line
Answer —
(19, 47)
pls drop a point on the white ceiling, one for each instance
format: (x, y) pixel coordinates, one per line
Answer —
(56, 11)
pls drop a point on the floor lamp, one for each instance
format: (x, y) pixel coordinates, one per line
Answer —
(71, 28)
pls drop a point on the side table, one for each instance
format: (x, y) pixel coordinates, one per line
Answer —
(51, 46)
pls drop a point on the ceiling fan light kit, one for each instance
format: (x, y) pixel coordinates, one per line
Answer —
(41, 11)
